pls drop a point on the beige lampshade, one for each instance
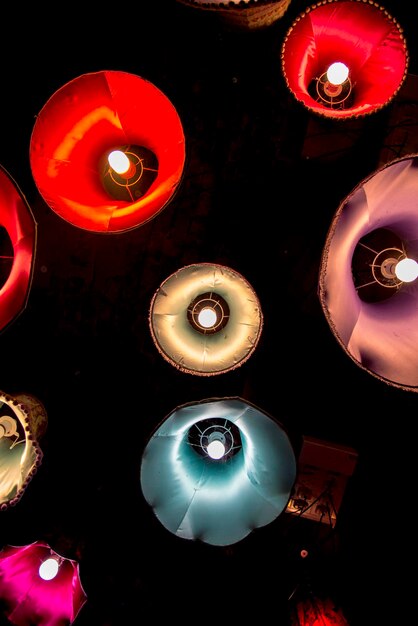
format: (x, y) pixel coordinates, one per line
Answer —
(217, 344)
(23, 420)
(243, 14)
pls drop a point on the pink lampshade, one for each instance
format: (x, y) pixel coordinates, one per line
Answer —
(360, 34)
(29, 599)
(374, 315)
(19, 242)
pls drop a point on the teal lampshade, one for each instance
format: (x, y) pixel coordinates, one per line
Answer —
(218, 500)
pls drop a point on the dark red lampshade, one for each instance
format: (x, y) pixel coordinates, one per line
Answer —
(18, 241)
(80, 124)
(364, 37)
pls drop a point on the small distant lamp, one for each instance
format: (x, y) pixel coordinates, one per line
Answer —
(17, 250)
(205, 319)
(315, 609)
(107, 151)
(368, 272)
(218, 469)
(39, 586)
(23, 421)
(344, 58)
(243, 14)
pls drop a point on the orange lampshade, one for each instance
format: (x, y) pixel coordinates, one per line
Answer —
(81, 124)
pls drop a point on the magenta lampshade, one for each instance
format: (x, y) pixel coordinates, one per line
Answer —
(362, 36)
(29, 599)
(373, 312)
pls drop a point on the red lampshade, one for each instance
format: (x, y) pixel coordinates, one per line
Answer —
(85, 120)
(317, 611)
(362, 36)
(18, 243)
(27, 598)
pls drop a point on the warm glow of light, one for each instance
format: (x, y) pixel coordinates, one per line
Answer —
(337, 73)
(406, 270)
(177, 339)
(207, 317)
(49, 569)
(119, 162)
(216, 449)
(70, 140)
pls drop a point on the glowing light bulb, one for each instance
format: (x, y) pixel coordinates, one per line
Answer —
(48, 569)
(216, 449)
(119, 162)
(406, 270)
(337, 73)
(207, 317)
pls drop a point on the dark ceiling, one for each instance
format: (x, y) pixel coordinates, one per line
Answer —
(262, 181)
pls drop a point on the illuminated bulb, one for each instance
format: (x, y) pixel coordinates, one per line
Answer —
(337, 73)
(406, 270)
(119, 162)
(216, 449)
(207, 317)
(48, 569)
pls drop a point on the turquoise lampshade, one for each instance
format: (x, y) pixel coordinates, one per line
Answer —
(218, 500)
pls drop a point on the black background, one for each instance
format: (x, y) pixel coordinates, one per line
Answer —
(252, 200)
